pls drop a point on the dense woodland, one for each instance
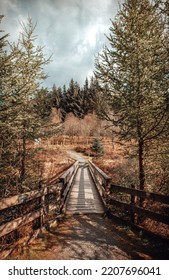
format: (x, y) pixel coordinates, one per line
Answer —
(128, 93)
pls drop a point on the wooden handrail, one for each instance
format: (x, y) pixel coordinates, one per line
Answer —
(149, 195)
(141, 211)
(17, 223)
(101, 179)
(63, 184)
(65, 177)
(99, 171)
(134, 208)
(22, 198)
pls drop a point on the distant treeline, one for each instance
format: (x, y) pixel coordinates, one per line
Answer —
(75, 99)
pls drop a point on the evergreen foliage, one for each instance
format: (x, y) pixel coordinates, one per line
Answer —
(97, 147)
(75, 99)
(132, 73)
(24, 106)
(42, 104)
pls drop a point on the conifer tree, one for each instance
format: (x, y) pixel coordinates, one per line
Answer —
(42, 104)
(56, 95)
(88, 94)
(20, 87)
(97, 147)
(133, 70)
(8, 136)
(72, 102)
(29, 73)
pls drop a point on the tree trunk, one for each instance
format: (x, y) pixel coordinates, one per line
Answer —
(141, 168)
(23, 159)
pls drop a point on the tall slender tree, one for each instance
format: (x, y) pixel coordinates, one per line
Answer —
(133, 70)
(29, 73)
(20, 87)
(8, 137)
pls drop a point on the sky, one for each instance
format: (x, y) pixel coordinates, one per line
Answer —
(72, 31)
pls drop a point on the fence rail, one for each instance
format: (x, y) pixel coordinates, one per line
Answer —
(100, 178)
(110, 192)
(60, 189)
(132, 206)
(149, 195)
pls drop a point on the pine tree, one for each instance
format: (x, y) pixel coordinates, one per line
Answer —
(29, 72)
(56, 95)
(20, 87)
(8, 136)
(133, 70)
(94, 95)
(97, 147)
(88, 94)
(71, 100)
(43, 104)
(77, 100)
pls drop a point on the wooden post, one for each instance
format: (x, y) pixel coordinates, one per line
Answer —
(43, 208)
(132, 202)
(46, 207)
(37, 223)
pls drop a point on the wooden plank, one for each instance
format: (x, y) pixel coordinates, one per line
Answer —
(68, 173)
(98, 170)
(153, 196)
(141, 211)
(22, 198)
(84, 197)
(67, 189)
(19, 199)
(100, 187)
(10, 226)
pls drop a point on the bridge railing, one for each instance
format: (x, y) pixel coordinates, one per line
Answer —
(135, 209)
(129, 203)
(100, 178)
(39, 206)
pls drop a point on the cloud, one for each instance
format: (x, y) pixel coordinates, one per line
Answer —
(71, 30)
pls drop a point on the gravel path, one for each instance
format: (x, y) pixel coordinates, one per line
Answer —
(77, 156)
(88, 237)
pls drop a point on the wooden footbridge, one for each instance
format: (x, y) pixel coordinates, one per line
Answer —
(84, 197)
(82, 189)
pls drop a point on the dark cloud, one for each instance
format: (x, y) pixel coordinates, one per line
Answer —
(71, 30)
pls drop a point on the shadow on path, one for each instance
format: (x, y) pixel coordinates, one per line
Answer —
(91, 237)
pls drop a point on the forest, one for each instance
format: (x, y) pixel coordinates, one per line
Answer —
(119, 117)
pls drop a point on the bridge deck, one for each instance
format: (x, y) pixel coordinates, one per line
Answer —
(84, 196)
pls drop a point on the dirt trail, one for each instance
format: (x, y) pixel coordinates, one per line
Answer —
(87, 237)
(77, 156)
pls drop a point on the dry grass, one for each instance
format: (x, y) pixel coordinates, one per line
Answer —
(52, 159)
(118, 163)
(156, 227)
